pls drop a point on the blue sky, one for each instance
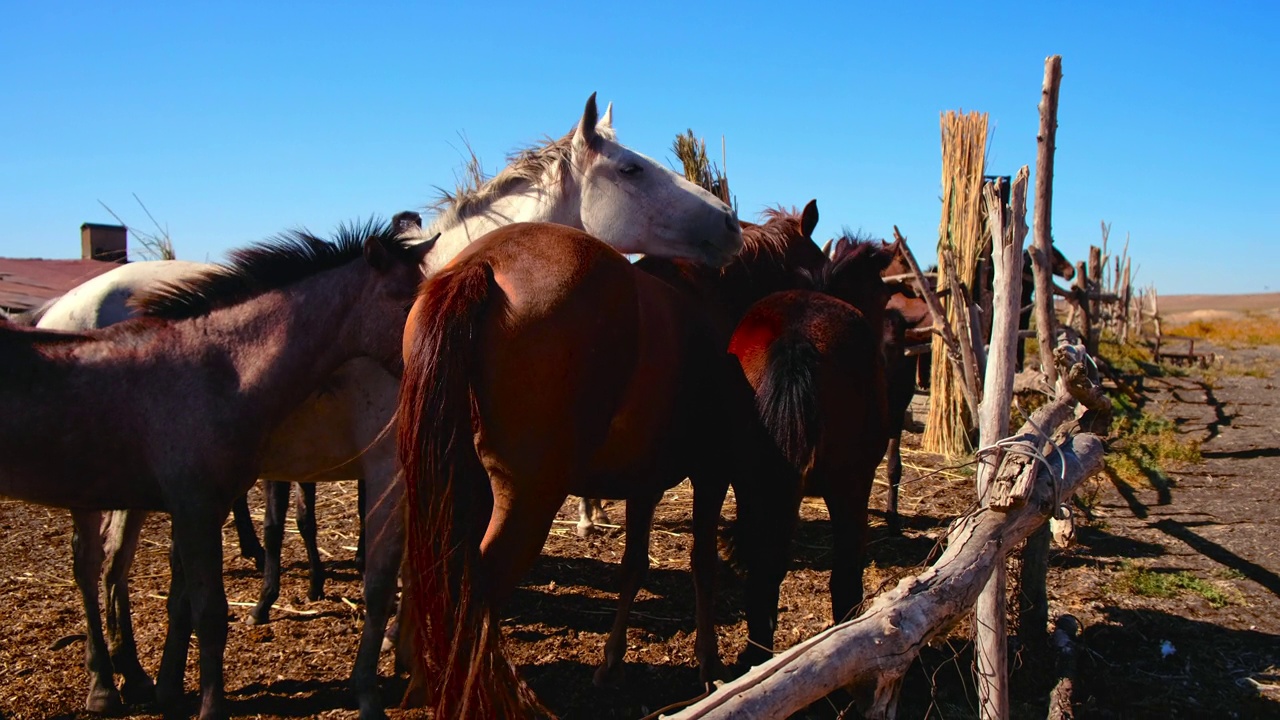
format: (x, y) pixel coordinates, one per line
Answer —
(233, 121)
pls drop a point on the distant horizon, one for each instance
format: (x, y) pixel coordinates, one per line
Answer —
(238, 121)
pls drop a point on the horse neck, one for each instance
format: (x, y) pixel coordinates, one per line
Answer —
(526, 203)
(284, 343)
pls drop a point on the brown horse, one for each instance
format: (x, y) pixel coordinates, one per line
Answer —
(778, 254)
(815, 360)
(173, 414)
(541, 363)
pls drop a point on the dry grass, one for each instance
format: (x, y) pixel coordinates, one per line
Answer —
(698, 168)
(152, 245)
(964, 149)
(1237, 331)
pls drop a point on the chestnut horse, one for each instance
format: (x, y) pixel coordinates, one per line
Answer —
(778, 254)
(541, 363)
(174, 414)
(815, 360)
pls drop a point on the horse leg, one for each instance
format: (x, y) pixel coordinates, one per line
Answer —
(197, 536)
(121, 547)
(273, 537)
(847, 506)
(177, 638)
(382, 567)
(708, 499)
(893, 468)
(635, 566)
(305, 517)
(591, 513)
(87, 557)
(361, 506)
(250, 548)
(518, 526)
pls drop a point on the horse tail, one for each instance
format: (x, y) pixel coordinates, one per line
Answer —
(455, 636)
(787, 398)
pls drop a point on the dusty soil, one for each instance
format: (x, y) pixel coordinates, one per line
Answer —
(1213, 520)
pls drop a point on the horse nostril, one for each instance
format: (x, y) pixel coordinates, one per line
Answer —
(731, 221)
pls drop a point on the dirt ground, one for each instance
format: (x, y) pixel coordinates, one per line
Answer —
(1213, 520)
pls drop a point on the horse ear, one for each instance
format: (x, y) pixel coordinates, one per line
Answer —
(586, 137)
(376, 254)
(826, 249)
(605, 125)
(809, 218)
(420, 251)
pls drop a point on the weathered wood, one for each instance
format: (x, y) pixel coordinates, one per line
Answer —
(1084, 321)
(1045, 145)
(964, 333)
(873, 651)
(1094, 294)
(990, 624)
(1066, 635)
(1033, 595)
(940, 323)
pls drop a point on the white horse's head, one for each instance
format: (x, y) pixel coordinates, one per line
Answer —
(638, 206)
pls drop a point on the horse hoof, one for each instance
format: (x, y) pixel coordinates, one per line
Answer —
(259, 558)
(316, 592)
(257, 617)
(104, 702)
(606, 676)
(585, 530)
(372, 712)
(139, 692)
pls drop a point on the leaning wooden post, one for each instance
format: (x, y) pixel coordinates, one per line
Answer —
(1126, 298)
(1094, 288)
(990, 626)
(1046, 324)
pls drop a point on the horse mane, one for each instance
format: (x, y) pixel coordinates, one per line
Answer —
(281, 260)
(856, 255)
(474, 193)
(773, 237)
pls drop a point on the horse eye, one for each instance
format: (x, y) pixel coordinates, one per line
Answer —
(630, 169)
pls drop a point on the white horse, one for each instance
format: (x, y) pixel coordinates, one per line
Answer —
(586, 180)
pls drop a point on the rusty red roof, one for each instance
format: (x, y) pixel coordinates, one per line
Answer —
(28, 282)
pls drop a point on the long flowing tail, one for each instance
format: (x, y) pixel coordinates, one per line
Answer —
(786, 398)
(456, 638)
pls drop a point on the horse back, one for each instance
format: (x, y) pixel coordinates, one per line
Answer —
(574, 352)
(816, 365)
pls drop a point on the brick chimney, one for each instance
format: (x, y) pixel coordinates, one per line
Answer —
(109, 243)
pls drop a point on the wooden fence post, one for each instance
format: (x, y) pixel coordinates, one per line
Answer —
(1046, 324)
(990, 625)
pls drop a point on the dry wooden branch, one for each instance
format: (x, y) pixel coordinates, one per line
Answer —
(940, 324)
(1042, 251)
(990, 631)
(964, 332)
(873, 650)
(1065, 635)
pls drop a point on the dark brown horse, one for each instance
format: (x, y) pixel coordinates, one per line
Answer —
(173, 414)
(815, 360)
(908, 324)
(541, 363)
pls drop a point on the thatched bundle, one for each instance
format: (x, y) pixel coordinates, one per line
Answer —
(698, 168)
(964, 149)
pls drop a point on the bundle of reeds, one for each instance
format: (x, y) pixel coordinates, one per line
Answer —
(699, 169)
(964, 150)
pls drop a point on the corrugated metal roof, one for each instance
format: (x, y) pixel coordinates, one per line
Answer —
(28, 282)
